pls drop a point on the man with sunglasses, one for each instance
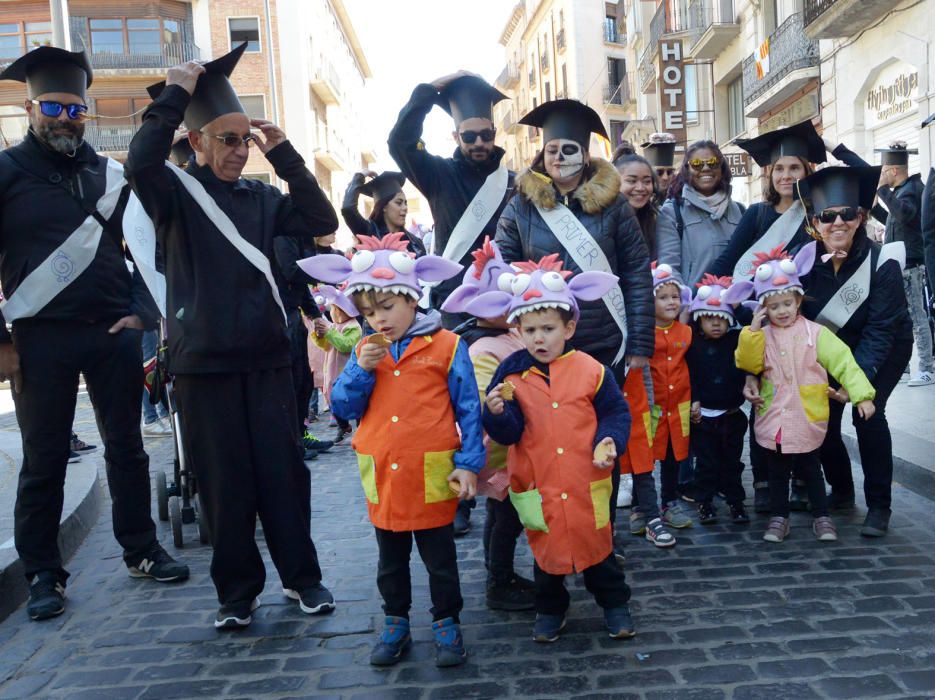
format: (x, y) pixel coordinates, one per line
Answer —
(466, 192)
(659, 150)
(74, 308)
(228, 345)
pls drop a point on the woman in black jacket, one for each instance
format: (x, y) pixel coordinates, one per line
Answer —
(857, 292)
(389, 208)
(563, 173)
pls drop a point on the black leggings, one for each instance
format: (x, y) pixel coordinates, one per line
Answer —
(807, 468)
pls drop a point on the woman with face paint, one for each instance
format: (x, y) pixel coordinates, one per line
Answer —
(699, 218)
(389, 207)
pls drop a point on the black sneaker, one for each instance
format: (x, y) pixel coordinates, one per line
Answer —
(234, 616)
(738, 514)
(761, 497)
(707, 513)
(160, 566)
(46, 596)
(312, 600)
(876, 523)
(462, 523)
(79, 445)
(547, 628)
(619, 623)
(310, 442)
(514, 594)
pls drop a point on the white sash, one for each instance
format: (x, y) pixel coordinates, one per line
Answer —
(844, 303)
(587, 254)
(69, 260)
(140, 235)
(780, 233)
(223, 223)
(478, 213)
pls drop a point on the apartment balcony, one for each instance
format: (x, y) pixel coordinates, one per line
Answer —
(509, 77)
(671, 18)
(832, 19)
(331, 152)
(139, 55)
(325, 81)
(714, 26)
(793, 63)
(532, 77)
(560, 40)
(544, 63)
(507, 121)
(647, 71)
(109, 139)
(622, 94)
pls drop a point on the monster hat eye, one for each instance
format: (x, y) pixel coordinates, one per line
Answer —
(520, 283)
(362, 260)
(787, 266)
(665, 267)
(764, 272)
(704, 292)
(553, 282)
(505, 282)
(403, 263)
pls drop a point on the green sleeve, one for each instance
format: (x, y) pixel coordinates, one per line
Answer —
(751, 349)
(345, 340)
(837, 359)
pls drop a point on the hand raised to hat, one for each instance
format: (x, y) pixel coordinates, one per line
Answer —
(271, 135)
(185, 75)
(440, 83)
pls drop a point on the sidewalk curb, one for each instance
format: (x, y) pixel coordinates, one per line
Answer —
(72, 532)
(914, 477)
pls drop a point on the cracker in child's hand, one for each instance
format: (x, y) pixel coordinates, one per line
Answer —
(506, 391)
(380, 340)
(603, 452)
(455, 485)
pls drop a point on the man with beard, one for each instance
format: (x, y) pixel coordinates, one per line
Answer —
(228, 346)
(660, 152)
(74, 308)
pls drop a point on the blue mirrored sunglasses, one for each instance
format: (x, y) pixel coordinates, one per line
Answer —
(54, 109)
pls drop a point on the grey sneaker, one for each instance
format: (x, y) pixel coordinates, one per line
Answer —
(676, 515)
(637, 523)
(657, 534)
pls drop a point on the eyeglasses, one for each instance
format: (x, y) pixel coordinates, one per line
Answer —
(665, 171)
(54, 109)
(233, 140)
(847, 214)
(700, 163)
(486, 135)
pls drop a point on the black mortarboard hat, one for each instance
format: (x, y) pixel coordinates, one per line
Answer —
(214, 95)
(566, 119)
(660, 154)
(468, 97)
(181, 150)
(49, 69)
(800, 140)
(384, 185)
(841, 187)
(896, 154)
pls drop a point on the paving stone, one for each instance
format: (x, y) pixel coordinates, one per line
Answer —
(685, 694)
(24, 686)
(563, 686)
(772, 691)
(792, 668)
(468, 690)
(121, 693)
(635, 679)
(919, 680)
(746, 650)
(183, 689)
(83, 679)
(820, 644)
(724, 674)
(858, 686)
(269, 686)
(168, 672)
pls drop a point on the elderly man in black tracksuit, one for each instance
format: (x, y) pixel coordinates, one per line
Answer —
(52, 186)
(228, 346)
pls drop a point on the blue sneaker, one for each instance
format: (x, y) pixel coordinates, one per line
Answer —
(619, 623)
(394, 640)
(547, 627)
(449, 645)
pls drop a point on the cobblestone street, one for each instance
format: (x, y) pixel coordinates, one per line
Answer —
(722, 615)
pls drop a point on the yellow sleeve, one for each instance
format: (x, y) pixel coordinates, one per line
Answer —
(320, 342)
(751, 349)
(485, 366)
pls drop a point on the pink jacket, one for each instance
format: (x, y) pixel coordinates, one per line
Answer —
(793, 364)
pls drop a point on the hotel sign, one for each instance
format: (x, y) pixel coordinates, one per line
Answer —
(672, 88)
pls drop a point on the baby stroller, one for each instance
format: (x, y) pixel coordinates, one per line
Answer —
(177, 500)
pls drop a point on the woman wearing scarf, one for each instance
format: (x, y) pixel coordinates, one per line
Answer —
(699, 218)
(389, 207)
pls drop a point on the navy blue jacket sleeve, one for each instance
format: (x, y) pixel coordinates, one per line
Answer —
(887, 303)
(350, 394)
(928, 225)
(465, 399)
(613, 414)
(507, 428)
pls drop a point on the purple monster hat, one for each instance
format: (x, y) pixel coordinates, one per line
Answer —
(380, 265)
(538, 286)
(710, 299)
(484, 275)
(664, 274)
(336, 297)
(776, 272)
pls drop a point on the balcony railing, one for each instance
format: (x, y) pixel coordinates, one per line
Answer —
(109, 138)
(647, 75)
(325, 80)
(704, 13)
(508, 120)
(816, 8)
(164, 56)
(620, 94)
(789, 50)
(509, 76)
(830, 19)
(544, 64)
(532, 77)
(560, 40)
(713, 26)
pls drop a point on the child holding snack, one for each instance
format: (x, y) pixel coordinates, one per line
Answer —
(412, 387)
(565, 420)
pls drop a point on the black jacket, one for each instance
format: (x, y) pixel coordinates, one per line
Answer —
(360, 226)
(715, 380)
(292, 280)
(881, 322)
(755, 221)
(928, 226)
(38, 213)
(221, 312)
(904, 221)
(449, 184)
(523, 235)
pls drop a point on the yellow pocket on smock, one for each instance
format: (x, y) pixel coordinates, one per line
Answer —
(436, 467)
(528, 506)
(685, 416)
(600, 501)
(368, 477)
(815, 402)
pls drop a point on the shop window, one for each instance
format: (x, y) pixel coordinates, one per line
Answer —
(245, 29)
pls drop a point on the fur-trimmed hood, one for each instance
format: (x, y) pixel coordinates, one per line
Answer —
(595, 194)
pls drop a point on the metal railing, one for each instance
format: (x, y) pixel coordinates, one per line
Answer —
(560, 41)
(164, 56)
(544, 62)
(509, 76)
(703, 13)
(816, 8)
(109, 138)
(324, 70)
(532, 76)
(789, 50)
(620, 94)
(647, 72)
(507, 120)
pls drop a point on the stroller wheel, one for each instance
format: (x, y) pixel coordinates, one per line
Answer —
(175, 517)
(204, 534)
(162, 496)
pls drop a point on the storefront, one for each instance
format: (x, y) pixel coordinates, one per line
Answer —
(891, 110)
